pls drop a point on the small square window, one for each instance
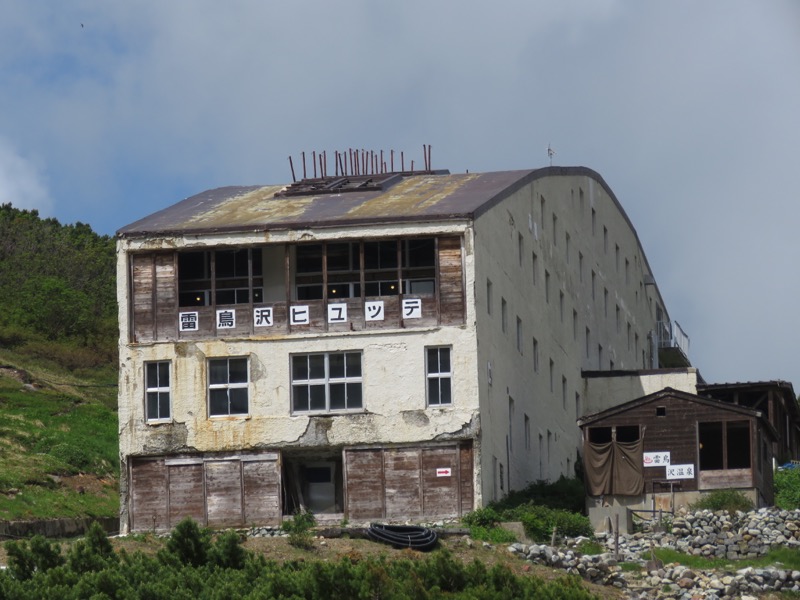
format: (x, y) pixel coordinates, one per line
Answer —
(661, 411)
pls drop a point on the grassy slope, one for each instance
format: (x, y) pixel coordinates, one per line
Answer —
(58, 441)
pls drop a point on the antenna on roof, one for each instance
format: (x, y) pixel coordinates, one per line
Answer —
(550, 153)
(358, 162)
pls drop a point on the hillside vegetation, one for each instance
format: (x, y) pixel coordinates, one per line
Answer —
(58, 370)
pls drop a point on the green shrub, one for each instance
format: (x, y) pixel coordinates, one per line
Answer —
(189, 543)
(590, 547)
(495, 535)
(299, 529)
(728, 500)
(25, 558)
(787, 489)
(565, 494)
(72, 455)
(482, 517)
(540, 520)
(439, 575)
(93, 553)
(227, 551)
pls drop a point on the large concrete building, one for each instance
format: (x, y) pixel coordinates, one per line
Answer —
(395, 345)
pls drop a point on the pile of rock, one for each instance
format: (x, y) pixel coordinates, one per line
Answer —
(702, 533)
(264, 532)
(597, 568)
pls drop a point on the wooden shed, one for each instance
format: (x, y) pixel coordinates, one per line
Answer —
(675, 441)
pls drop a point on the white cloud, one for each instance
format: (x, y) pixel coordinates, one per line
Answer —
(687, 110)
(21, 182)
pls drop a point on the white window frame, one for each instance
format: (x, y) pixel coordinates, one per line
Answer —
(435, 373)
(158, 389)
(326, 380)
(228, 386)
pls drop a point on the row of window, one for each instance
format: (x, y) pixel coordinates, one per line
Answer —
(567, 239)
(337, 267)
(519, 330)
(321, 383)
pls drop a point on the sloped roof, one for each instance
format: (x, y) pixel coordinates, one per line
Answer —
(415, 197)
(669, 392)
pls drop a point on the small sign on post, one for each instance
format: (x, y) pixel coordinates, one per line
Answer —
(680, 472)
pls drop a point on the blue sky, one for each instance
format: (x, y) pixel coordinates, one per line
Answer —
(111, 111)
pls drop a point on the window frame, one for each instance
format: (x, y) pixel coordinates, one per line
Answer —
(228, 386)
(439, 375)
(325, 382)
(159, 390)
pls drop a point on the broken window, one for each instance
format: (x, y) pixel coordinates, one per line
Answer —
(342, 275)
(599, 435)
(724, 445)
(627, 433)
(231, 274)
(326, 382)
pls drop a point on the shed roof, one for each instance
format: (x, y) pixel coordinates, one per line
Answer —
(415, 197)
(669, 392)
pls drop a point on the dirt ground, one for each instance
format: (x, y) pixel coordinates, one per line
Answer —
(333, 549)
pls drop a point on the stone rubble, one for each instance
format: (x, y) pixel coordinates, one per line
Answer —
(702, 533)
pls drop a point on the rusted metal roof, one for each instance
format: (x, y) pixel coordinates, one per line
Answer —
(419, 197)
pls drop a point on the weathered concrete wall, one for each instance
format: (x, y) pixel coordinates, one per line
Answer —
(393, 374)
(394, 392)
(601, 511)
(604, 392)
(569, 266)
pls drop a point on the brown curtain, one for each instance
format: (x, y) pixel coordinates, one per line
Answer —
(628, 468)
(615, 468)
(599, 467)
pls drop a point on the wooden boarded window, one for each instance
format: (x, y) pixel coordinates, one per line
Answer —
(186, 496)
(409, 482)
(224, 493)
(217, 492)
(154, 298)
(451, 281)
(402, 476)
(148, 487)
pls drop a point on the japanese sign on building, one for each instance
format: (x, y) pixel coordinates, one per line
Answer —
(226, 318)
(656, 459)
(680, 472)
(299, 315)
(187, 321)
(373, 310)
(412, 308)
(262, 317)
(337, 313)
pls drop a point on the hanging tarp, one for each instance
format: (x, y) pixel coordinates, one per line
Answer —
(599, 468)
(615, 468)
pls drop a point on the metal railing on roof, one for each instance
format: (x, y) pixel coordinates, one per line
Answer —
(671, 335)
